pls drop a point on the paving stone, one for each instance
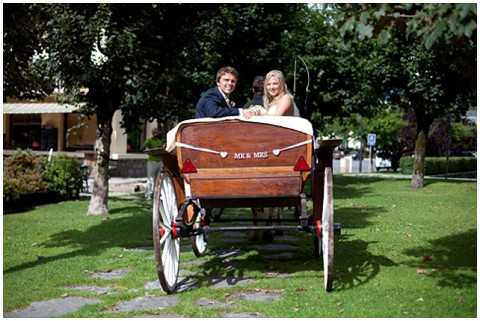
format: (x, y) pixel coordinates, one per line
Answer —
(52, 308)
(224, 253)
(234, 240)
(241, 315)
(186, 248)
(278, 275)
(229, 266)
(281, 256)
(159, 316)
(275, 247)
(209, 303)
(182, 274)
(109, 275)
(186, 284)
(152, 285)
(195, 262)
(221, 282)
(286, 237)
(146, 248)
(259, 296)
(146, 303)
(90, 288)
(234, 234)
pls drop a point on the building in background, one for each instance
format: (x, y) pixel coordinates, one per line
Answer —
(41, 126)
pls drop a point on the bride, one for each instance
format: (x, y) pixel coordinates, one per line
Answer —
(277, 100)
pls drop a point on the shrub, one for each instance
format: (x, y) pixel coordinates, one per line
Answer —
(63, 177)
(438, 165)
(154, 142)
(22, 175)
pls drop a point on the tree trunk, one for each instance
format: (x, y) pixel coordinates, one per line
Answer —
(419, 161)
(99, 201)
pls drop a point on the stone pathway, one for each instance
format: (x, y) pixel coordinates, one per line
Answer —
(275, 247)
(208, 303)
(265, 296)
(90, 288)
(146, 303)
(241, 315)
(226, 282)
(110, 275)
(146, 248)
(52, 308)
(281, 256)
(188, 280)
(159, 316)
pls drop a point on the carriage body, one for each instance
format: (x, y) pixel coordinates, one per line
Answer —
(249, 167)
(231, 162)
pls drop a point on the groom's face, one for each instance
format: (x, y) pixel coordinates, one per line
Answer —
(227, 83)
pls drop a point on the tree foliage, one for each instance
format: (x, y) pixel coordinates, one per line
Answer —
(154, 60)
(25, 71)
(425, 52)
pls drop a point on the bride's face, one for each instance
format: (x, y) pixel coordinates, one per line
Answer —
(274, 87)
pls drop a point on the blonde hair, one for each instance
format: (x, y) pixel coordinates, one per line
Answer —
(267, 98)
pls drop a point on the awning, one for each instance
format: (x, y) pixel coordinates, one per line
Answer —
(38, 108)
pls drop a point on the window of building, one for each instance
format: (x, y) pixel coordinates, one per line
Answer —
(26, 131)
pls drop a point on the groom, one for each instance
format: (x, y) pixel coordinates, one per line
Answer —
(215, 102)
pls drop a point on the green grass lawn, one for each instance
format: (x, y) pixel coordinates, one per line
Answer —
(402, 253)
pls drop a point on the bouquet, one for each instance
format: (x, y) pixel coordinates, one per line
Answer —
(258, 110)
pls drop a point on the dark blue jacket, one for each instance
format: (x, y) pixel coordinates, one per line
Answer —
(212, 104)
(257, 99)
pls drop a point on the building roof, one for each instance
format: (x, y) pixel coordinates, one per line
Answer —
(38, 108)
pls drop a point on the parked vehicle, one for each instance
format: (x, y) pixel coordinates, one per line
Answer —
(382, 163)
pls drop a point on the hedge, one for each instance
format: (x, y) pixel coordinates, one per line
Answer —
(29, 179)
(63, 177)
(438, 165)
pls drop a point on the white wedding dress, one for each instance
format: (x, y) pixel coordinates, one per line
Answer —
(273, 106)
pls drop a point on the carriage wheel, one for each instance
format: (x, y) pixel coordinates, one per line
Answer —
(199, 241)
(165, 241)
(327, 230)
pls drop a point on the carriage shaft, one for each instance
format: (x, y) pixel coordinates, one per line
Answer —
(268, 220)
(256, 227)
(310, 228)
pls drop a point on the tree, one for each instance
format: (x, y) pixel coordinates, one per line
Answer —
(386, 124)
(152, 60)
(119, 54)
(25, 73)
(429, 51)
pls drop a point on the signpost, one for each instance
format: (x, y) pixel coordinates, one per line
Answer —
(371, 140)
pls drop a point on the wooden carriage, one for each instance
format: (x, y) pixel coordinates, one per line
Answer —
(232, 162)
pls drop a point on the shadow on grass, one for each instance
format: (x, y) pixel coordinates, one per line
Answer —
(447, 258)
(352, 187)
(356, 217)
(115, 231)
(354, 264)
(429, 182)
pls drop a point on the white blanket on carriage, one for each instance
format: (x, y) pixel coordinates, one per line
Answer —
(295, 123)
